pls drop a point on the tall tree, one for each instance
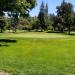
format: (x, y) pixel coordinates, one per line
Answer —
(46, 10)
(43, 15)
(64, 12)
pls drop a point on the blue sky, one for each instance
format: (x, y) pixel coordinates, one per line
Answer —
(51, 5)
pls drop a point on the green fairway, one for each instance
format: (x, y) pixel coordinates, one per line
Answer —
(37, 54)
(34, 35)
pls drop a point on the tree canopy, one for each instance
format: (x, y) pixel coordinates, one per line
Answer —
(64, 14)
(21, 6)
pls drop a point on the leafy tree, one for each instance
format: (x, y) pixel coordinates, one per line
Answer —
(54, 21)
(16, 8)
(24, 24)
(73, 20)
(64, 13)
(34, 22)
(3, 24)
(22, 6)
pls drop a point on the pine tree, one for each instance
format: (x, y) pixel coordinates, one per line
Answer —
(63, 1)
(46, 9)
(43, 16)
(42, 7)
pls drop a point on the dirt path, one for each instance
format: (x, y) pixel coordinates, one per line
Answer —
(4, 73)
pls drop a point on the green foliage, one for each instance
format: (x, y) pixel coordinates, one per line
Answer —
(34, 22)
(16, 8)
(64, 14)
(24, 24)
(22, 6)
(43, 17)
(3, 24)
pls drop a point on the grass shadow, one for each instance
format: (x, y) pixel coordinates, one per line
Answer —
(3, 45)
(54, 32)
(64, 33)
(8, 40)
(72, 34)
(4, 42)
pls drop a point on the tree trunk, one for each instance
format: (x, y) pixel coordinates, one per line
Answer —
(69, 30)
(15, 29)
(1, 31)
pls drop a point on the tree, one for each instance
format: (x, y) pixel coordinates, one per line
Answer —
(3, 24)
(34, 23)
(54, 21)
(73, 21)
(24, 24)
(43, 16)
(64, 12)
(16, 8)
(22, 6)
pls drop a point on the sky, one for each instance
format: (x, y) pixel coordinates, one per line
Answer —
(51, 5)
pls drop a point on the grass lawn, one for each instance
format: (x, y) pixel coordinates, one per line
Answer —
(37, 54)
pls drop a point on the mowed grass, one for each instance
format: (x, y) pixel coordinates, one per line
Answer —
(34, 35)
(38, 56)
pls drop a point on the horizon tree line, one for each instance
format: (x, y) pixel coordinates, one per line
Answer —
(63, 21)
(19, 18)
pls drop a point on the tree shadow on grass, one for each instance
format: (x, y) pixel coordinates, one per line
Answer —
(64, 33)
(4, 42)
(3, 45)
(8, 40)
(72, 34)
